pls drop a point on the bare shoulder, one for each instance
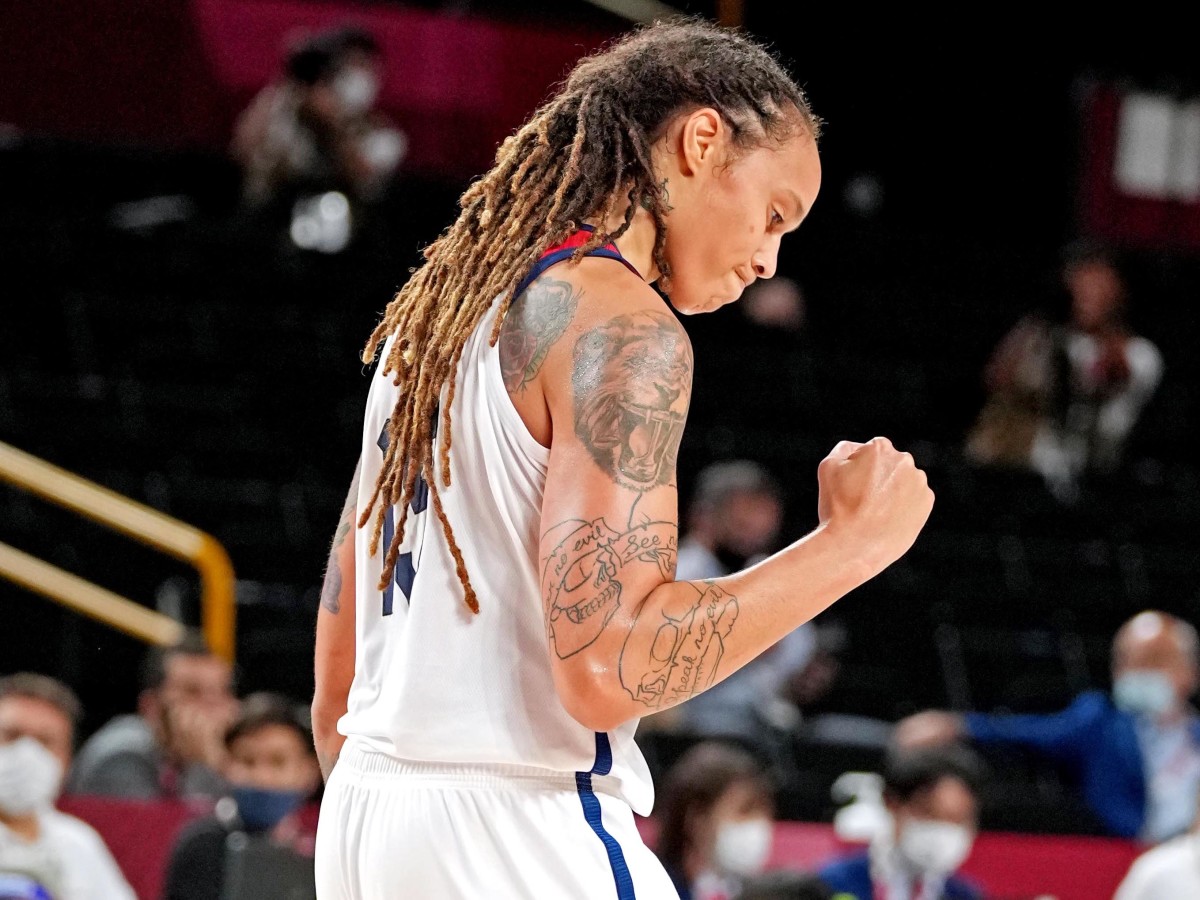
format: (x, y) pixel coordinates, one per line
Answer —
(573, 308)
(623, 334)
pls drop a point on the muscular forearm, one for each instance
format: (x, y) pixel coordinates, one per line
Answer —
(684, 637)
(626, 638)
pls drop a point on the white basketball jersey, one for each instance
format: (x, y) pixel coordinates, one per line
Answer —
(433, 681)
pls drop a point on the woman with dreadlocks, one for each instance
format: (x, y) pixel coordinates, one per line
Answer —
(507, 608)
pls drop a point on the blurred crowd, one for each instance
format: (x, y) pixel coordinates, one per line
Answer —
(316, 153)
(1066, 389)
(237, 766)
(1064, 396)
(246, 769)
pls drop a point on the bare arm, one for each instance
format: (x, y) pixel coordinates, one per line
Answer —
(930, 728)
(334, 653)
(625, 638)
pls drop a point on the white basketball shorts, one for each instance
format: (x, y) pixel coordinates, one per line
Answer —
(391, 829)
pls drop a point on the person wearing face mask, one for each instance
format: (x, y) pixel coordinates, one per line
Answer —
(317, 130)
(45, 853)
(716, 820)
(273, 782)
(932, 818)
(734, 519)
(1134, 752)
(375, 146)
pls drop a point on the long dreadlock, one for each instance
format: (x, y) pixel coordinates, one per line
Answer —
(582, 153)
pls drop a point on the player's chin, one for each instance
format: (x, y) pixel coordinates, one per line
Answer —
(694, 306)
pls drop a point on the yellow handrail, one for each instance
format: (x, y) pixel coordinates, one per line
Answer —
(81, 595)
(137, 521)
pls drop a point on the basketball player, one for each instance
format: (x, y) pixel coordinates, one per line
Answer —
(507, 607)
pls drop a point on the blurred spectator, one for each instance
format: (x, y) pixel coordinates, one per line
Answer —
(1064, 398)
(272, 773)
(45, 853)
(733, 521)
(1170, 869)
(784, 884)
(173, 746)
(1135, 754)
(314, 134)
(931, 797)
(716, 819)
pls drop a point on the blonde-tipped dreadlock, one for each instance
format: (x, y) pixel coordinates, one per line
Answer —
(581, 154)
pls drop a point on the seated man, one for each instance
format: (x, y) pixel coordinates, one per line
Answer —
(734, 520)
(172, 748)
(1135, 753)
(45, 852)
(272, 772)
(932, 804)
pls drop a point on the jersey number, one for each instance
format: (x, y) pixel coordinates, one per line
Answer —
(406, 571)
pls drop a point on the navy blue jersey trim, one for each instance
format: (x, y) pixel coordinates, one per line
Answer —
(622, 880)
(558, 255)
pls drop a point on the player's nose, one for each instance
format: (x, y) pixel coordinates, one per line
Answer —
(765, 260)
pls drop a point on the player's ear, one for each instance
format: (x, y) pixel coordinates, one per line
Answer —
(701, 141)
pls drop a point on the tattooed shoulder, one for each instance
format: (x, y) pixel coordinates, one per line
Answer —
(536, 320)
(632, 382)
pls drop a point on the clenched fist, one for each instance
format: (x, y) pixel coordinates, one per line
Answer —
(874, 494)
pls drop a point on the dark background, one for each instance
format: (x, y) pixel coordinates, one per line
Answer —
(212, 373)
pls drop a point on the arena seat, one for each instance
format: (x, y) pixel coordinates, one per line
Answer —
(140, 834)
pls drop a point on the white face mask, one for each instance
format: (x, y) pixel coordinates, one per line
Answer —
(1144, 692)
(928, 845)
(742, 847)
(30, 776)
(356, 90)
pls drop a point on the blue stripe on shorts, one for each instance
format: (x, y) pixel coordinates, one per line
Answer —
(591, 812)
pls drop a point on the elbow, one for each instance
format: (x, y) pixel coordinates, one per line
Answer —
(595, 717)
(595, 701)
